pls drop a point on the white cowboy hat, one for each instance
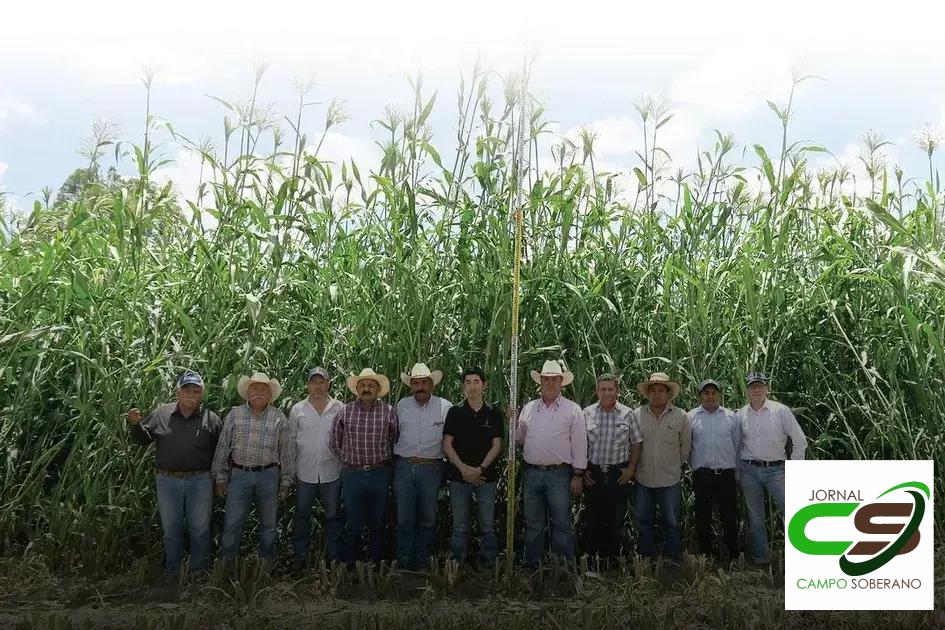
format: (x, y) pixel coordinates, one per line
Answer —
(420, 370)
(371, 375)
(242, 385)
(658, 378)
(553, 368)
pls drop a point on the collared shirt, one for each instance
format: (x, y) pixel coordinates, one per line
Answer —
(421, 427)
(473, 432)
(250, 441)
(765, 432)
(610, 434)
(364, 436)
(666, 444)
(553, 434)
(181, 444)
(716, 438)
(314, 461)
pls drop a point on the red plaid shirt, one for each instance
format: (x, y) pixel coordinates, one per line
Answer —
(364, 436)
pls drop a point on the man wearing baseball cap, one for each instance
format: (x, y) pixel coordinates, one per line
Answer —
(185, 437)
(716, 440)
(770, 433)
(317, 469)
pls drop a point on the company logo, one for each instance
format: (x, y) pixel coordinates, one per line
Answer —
(881, 552)
(855, 542)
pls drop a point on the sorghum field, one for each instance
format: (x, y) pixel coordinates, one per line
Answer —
(753, 258)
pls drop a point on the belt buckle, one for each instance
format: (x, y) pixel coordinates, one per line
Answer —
(605, 468)
(716, 471)
(365, 468)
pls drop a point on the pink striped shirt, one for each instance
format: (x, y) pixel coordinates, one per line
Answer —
(553, 434)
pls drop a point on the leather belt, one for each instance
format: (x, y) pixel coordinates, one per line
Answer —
(421, 460)
(255, 468)
(363, 467)
(548, 467)
(180, 474)
(715, 471)
(604, 468)
(764, 463)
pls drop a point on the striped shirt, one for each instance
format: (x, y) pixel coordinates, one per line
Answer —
(766, 433)
(364, 436)
(250, 441)
(610, 434)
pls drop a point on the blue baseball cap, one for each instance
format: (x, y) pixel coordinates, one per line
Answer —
(757, 377)
(190, 378)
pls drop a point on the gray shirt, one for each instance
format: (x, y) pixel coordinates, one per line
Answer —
(716, 438)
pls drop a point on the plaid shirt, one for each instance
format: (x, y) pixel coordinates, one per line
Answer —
(364, 436)
(250, 441)
(610, 434)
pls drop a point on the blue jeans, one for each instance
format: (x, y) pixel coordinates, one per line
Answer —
(547, 493)
(755, 480)
(365, 496)
(669, 500)
(330, 495)
(461, 494)
(190, 498)
(245, 488)
(416, 489)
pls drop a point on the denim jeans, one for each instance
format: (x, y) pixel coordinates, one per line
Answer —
(245, 488)
(461, 495)
(755, 480)
(330, 495)
(365, 496)
(416, 488)
(547, 493)
(669, 500)
(189, 498)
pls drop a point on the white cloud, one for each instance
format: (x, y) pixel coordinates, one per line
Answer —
(3, 169)
(14, 110)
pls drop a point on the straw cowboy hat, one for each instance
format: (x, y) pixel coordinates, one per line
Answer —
(242, 385)
(658, 378)
(369, 375)
(420, 370)
(553, 368)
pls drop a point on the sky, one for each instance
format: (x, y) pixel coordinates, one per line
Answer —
(881, 66)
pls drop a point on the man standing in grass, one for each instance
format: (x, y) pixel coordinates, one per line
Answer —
(472, 441)
(362, 438)
(418, 469)
(554, 438)
(613, 450)
(185, 436)
(317, 469)
(666, 442)
(716, 440)
(770, 433)
(254, 463)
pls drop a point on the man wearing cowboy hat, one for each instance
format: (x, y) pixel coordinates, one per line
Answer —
(716, 440)
(554, 438)
(254, 463)
(362, 437)
(613, 450)
(770, 433)
(667, 439)
(185, 436)
(317, 469)
(418, 466)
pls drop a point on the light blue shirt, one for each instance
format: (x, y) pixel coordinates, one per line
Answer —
(716, 438)
(421, 427)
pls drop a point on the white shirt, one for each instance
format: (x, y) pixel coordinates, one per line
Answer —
(421, 427)
(765, 432)
(315, 463)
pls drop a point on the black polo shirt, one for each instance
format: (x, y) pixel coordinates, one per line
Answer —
(473, 432)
